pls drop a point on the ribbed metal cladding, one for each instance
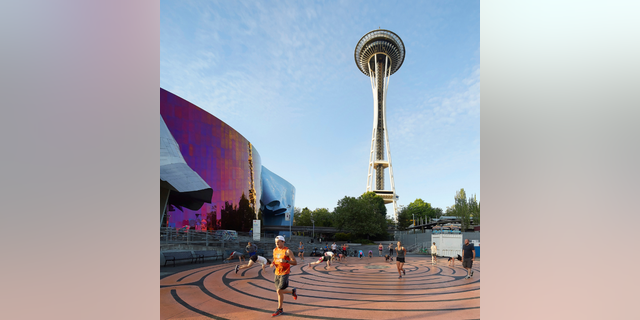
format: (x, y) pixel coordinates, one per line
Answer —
(379, 42)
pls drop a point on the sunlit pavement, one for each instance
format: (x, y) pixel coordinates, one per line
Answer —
(366, 288)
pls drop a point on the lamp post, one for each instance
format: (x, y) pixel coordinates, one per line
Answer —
(290, 222)
(415, 237)
(314, 226)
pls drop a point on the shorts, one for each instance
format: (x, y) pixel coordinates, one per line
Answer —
(281, 281)
(325, 258)
(254, 258)
(467, 263)
(390, 252)
(301, 251)
(252, 254)
(400, 260)
(433, 254)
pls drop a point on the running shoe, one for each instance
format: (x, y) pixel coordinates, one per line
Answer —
(294, 294)
(404, 272)
(467, 277)
(399, 277)
(277, 313)
(237, 268)
(309, 265)
(471, 274)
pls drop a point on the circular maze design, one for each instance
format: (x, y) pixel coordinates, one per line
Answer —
(367, 288)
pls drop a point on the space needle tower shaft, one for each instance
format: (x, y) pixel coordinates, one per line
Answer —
(379, 54)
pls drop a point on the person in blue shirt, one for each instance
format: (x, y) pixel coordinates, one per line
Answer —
(468, 256)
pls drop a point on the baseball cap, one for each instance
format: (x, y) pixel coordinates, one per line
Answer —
(279, 238)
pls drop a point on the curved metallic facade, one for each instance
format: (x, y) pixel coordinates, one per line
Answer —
(278, 197)
(225, 160)
(179, 184)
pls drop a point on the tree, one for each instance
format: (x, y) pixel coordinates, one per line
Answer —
(437, 212)
(461, 209)
(474, 210)
(376, 201)
(239, 217)
(364, 216)
(302, 217)
(404, 218)
(323, 217)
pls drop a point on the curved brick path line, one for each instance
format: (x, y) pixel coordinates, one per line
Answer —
(355, 289)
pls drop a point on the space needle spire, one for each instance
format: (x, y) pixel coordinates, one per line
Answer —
(379, 54)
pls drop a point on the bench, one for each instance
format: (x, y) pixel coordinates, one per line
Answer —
(202, 254)
(179, 255)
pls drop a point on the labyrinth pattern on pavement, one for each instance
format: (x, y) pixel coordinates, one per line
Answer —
(367, 288)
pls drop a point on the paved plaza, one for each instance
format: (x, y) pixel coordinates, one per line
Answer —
(366, 288)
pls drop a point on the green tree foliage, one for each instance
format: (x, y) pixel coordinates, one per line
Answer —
(423, 211)
(474, 209)
(323, 217)
(418, 209)
(375, 201)
(465, 208)
(404, 218)
(364, 216)
(302, 217)
(461, 209)
(340, 236)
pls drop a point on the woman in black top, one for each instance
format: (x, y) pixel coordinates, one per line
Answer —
(400, 254)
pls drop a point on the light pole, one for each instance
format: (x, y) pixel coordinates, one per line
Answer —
(314, 226)
(290, 222)
(415, 237)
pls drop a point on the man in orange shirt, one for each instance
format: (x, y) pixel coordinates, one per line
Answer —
(283, 259)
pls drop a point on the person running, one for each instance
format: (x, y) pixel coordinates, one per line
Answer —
(400, 253)
(301, 250)
(235, 254)
(380, 250)
(434, 254)
(254, 259)
(283, 259)
(328, 256)
(468, 255)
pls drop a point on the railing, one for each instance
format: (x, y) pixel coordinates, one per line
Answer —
(173, 236)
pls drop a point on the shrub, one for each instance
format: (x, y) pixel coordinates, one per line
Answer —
(362, 241)
(342, 236)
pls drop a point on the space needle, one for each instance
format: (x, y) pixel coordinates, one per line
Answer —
(379, 54)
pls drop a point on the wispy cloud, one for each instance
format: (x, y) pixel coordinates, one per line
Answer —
(440, 119)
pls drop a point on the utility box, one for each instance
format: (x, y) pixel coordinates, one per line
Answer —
(449, 244)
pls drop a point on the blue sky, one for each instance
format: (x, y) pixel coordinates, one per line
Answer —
(282, 73)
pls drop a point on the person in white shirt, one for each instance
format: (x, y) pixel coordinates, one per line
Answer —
(434, 254)
(255, 259)
(328, 257)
